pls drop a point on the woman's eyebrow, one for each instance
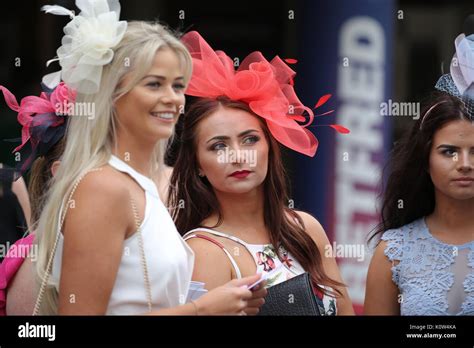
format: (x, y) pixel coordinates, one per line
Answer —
(447, 146)
(163, 77)
(225, 137)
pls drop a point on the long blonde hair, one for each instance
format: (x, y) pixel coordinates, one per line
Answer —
(89, 142)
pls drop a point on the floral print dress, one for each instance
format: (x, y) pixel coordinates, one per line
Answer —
(266, 259)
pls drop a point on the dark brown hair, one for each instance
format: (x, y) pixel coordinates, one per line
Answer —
(40, 179)
(285, 225)
(409, 181)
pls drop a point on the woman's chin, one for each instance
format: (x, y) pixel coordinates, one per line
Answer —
(461, 194)
(241, 188)
(162, 133)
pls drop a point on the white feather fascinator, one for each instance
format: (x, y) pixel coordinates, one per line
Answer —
(87, 44)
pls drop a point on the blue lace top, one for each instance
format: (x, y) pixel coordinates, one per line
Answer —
(434, 278)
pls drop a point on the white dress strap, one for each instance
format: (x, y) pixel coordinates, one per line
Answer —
(145, 182)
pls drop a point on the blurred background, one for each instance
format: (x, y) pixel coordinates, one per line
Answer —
(362, 52)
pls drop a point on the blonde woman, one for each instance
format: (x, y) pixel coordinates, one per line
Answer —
(107, 244)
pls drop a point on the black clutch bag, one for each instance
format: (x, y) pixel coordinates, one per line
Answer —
(292, 297)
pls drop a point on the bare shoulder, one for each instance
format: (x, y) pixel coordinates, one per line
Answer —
(380, 266)
(204, 246)
(379, 258)
(313, 228)
(104, 182)
(211, 265)
(101, 197)
(381, 295)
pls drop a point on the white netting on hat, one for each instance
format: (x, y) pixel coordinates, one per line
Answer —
(446, 84)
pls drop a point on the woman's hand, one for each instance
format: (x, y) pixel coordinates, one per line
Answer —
(233, 298)
(257, 300)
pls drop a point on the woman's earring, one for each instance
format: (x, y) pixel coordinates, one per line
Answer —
(200, 174)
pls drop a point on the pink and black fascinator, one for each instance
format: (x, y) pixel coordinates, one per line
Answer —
(43, 124)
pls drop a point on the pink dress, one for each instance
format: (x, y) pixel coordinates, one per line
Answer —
(10, 266)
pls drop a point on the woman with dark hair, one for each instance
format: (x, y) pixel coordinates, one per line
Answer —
(228, 189)
(423, 264)
(18, 270)
(40, 154)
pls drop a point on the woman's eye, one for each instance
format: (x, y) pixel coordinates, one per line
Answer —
(179, 87)
(154, 84)
(251, 140)
(449, 152)
(218, 146)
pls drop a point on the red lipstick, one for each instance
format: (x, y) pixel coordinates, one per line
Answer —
(241, 174)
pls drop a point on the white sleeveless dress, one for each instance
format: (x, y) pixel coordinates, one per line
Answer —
(169, 259)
